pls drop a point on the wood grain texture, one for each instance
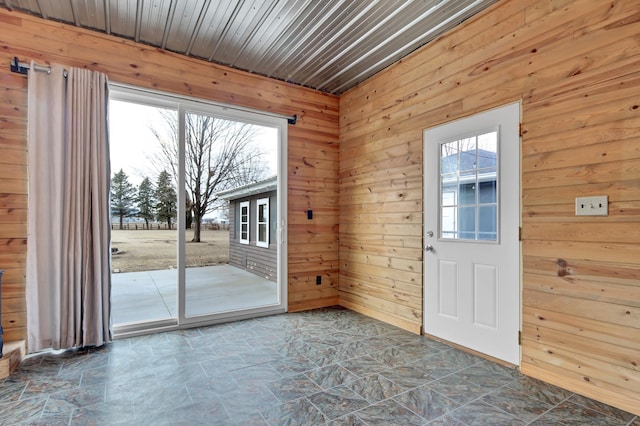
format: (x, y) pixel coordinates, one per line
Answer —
(575, 66)
(312, 147)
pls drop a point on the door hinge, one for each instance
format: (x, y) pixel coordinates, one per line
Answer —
(520, 129)
(519, 338)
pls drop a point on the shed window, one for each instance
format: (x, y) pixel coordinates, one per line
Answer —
(244, 222)
(263, 223)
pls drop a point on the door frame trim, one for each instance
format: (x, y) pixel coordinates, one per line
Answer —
(517, 102)
(180, 103)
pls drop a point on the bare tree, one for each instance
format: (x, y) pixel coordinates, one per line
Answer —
(219, 154)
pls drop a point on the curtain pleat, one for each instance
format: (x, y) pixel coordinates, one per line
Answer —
(68, 269)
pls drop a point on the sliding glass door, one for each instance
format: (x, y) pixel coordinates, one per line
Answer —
(215, 195)
(144, 237)
(229, 162)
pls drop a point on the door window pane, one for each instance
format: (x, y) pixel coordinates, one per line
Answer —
(448, 221)
(469, 188)
(487, 194)
(487, 219)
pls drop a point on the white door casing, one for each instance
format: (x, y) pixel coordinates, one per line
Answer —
(471, 234)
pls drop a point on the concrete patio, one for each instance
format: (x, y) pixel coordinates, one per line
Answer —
(152, 295)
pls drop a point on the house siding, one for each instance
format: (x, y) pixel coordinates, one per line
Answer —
(261, 261)
(574, 65)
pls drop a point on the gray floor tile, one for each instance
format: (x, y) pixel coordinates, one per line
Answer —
(293, 387)
(458, 389)
(376, 388)
(289, 366)
(407, 377)
(331, 376)
(481, 376)
(208, 387)
(65, 402)
(54, 420)
(18, 411)
(105, 413)
(458, 357)
(426, 402)
(298, 412)
(364, 366)
(542, 391)
(569, 413)
(522, 405)
(11, 390)
(446, 421)
(389, 413)
(326, 366)
(479, 413)
(210, 413)
(337, 402)
(255, 375)
(348, 420)
(436, 369)
(242, 401)
(602, 408)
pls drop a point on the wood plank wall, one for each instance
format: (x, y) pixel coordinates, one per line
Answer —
(313, 148)
(575, 65)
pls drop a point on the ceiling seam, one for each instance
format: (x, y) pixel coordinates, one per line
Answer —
(428, 33)
(381, 45)
(336, 35)
(232, 18)
(168, 23)
(196, 30)
(305, 39)
(253, 32)
(355, 43)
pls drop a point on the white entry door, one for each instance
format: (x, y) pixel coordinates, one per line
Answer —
(471, 219)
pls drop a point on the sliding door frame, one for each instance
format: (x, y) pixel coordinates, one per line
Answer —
(184, 105)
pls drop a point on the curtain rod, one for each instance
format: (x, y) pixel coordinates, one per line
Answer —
(127, 88)
(23, 68)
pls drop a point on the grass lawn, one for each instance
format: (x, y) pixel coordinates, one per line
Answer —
(145, 250)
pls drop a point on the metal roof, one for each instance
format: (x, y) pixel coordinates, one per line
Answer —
(329, 45)
(267, 185)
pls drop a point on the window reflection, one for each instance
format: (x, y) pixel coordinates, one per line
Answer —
(468, 188)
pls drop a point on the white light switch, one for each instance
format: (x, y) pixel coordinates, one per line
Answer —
(592, 206)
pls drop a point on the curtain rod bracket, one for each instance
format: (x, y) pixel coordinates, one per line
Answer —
(18, 67)
(293, 119)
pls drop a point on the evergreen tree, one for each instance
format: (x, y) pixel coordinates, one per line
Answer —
(146, 200)
(166, 198)
(122, 196)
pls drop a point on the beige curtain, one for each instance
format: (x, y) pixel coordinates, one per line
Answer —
(68, 244)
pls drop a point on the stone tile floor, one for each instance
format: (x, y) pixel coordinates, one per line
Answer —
(323, 367)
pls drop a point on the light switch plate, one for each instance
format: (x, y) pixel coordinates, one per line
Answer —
(592, 206)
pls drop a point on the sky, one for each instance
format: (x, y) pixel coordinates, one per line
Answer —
(132, 143)
(131, 140)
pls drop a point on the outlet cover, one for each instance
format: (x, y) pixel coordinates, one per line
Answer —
(592, 206)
